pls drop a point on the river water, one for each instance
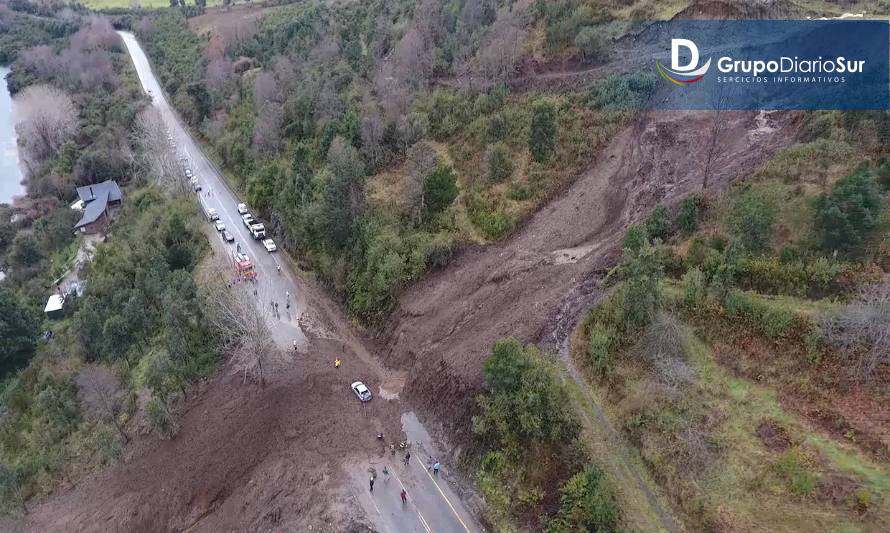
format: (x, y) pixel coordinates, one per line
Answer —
(10, 172)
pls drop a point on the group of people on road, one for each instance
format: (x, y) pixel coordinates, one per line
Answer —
(434, 465)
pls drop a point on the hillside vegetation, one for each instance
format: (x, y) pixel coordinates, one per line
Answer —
(742, 349)
(329, 118)
(75, 391)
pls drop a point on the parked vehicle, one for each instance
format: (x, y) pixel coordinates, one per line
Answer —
(242, 209)
(211, 214)
(361, 391)
(228, 236)
(270, 245)
(220, 226)
(258, 231)
(247, 218)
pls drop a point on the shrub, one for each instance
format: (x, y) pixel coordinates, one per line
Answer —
(752, 216)
(599, 346)
(658, 225)
(795, 277)
(542, 136)
(621, 92)
(690, 210)
(636, 238)
(883, 175)
(500, 164)
(772, 320)
(695, 287)
(587, 503)
(588, 43)
(846, 215)
(160, 418)
(793, 468)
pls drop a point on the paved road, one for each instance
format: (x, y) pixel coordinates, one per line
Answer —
(432, 506)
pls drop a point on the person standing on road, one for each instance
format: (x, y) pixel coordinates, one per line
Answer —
(371, 482)
(407, 457)
(295, 345)
(436, 468)
(404, 496)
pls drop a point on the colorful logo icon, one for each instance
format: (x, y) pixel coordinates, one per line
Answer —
(683, 74)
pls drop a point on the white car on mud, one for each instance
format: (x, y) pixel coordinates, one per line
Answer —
(270, 245)
(361, 391)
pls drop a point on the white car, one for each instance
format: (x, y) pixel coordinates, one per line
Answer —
(270, 245)
(211, 214)
(228, 236)
(220, 226)
(247, 218)
(242, 209)
(188, 173)
(361, 391)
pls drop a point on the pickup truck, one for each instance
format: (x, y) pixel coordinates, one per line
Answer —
(248, 220)
(211, 214)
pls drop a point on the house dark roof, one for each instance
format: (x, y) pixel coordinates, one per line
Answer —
(88, 193)
(96, 198)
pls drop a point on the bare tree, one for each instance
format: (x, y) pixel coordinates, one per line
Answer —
(496, 61)
(715, 131)
(372, 132)
(154, 153)
(103, 396)
(46, 118)
(267, 129)
(265, 90)
(663, 347)
(419, 165)
(243, 329)
(861, 331)
(220, 74)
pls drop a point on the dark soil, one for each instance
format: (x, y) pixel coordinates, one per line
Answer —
(774, 436)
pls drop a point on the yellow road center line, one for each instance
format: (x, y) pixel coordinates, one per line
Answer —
(453, 510)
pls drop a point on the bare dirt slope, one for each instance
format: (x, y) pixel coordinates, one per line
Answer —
(247, 458)
(443, 327)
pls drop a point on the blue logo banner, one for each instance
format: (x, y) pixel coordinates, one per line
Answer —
(768, 64)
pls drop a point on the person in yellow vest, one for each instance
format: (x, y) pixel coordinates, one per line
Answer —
(337, 363)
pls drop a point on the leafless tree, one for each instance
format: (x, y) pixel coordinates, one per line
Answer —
(103, 396)
(265, 90)
(663, 347)
(720, 98)
(419, 164)
(496, 61)
(97, 32)
(243, 327)
(861, 331)
(154, 153)
(267, 129)
(46, 118)
(234, 31)
(220, 74)
(372, 132)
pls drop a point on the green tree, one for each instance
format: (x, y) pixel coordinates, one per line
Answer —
(18, 331)
(846, 215)
(542, 136)
(752, 216)
(439, 189)
(586, 503)
(524, 404)
(641, 292)
(658, 225)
